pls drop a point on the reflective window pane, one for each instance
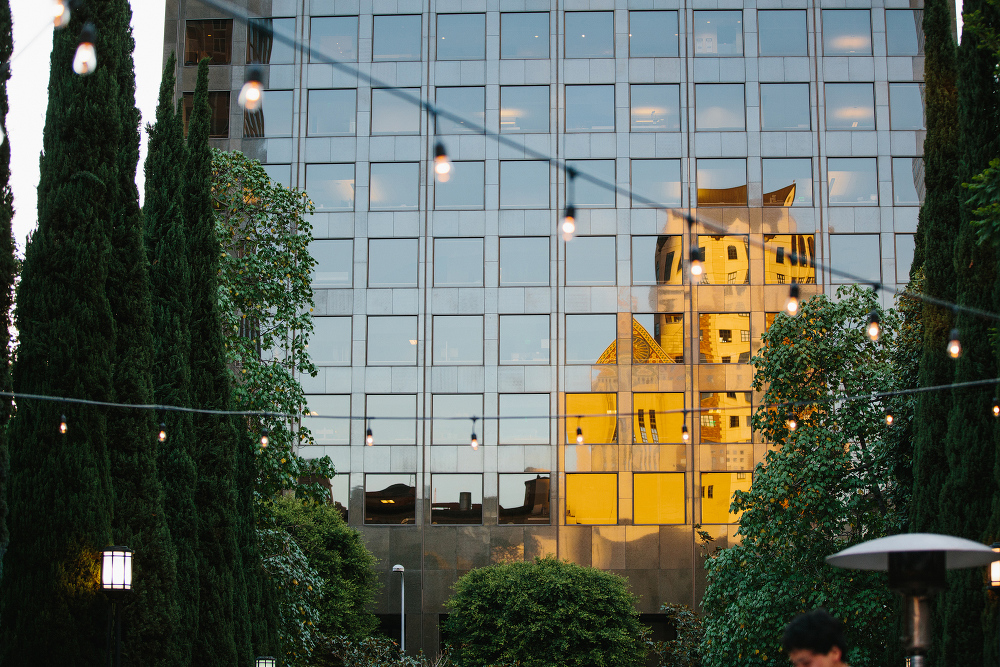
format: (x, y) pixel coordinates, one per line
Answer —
(787, 181)
(657, 260)
(727, 456)
(458, 262)
(468, 102)
(390, 499)
(658, 338)
(658, 498)
(524, 108)
(655, 107)
(218, 103)
(904, 257)
(721, 338)
(904, 34)
(725, 260)
(525, 431)
(591, 260)
(907, 181)
(590, 339)
(396, 37)
(330, 343)
(453, 413)
(591, 195)
(392, 262)
(335, 36)
(392, 418)
(590, 108)
(524, 339)
(718, 33)
(789, 258)
(458, 340)
(652, 34)
(461, 36)
(464, 189)
(524, 498)
(392, 340)
(264, 49)
(722, 182)
(394, 186)
(590, 34)
(850, 106)
(847, 32)
(279, 173)
(334, 263)
(658, 181)
(853, 181)
(858, 255)
(209, 38)
(332, 112)
(782, 32)
(326, 431)
(596, 429)
(524, 184)
(784, 106)
(273, 118)
(524, 261)
(394, 115)
(906, 106)
(719, 106)
(658, 417)
(456, 498)
(331, 186)
(717, 489)
(725, 416)
(524, 35)
(591, 498)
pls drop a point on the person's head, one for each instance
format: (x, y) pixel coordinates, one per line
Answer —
(815, 639)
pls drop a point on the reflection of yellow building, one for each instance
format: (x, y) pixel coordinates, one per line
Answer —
(781, 197)
(657, 417)
(596, 429)
(735, 196)
(726, 260)
(717, 490)
(646, 349)
(658, 498)
(724, 338)
(725, 416)
(669, 260)
(591, 498)
(789, 258)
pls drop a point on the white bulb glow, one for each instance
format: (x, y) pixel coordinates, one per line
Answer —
(85, 61)
(61, 14)
(251, 95)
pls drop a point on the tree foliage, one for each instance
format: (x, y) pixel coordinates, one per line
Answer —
(823, 487)
(544, 613)
(685, 649)
(8, 270)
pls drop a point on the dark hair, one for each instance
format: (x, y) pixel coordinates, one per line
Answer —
(815, 631)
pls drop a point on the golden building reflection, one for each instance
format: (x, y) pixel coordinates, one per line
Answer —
(658, 498)
(591, 498)
(717, 489)
(789, 258)
(726, 260)
(724, 338)
(725, 416)
(658, 417)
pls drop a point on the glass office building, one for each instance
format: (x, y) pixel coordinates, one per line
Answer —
(793, 129)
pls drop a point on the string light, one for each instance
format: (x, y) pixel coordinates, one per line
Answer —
(163, 432)
(442, 165)
(697, 259)
(791, 422)
(792, 306)
(685, 436)
(61, 13)
(996, 407)
(369, 438)
(889, 419)
(474, 443)
(264, 440)
(85, 60)
(579, 435)
(252, 93)
(954, 345)
(569, 223)
(874, 327)
(62, 425)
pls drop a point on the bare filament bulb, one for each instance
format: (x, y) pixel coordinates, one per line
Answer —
(569, 223)
(685, 436)
(791, 423)
(85, 60)
(579, 435)
(264, 440)
(954, 345)
(792, 306)
(62, 425)
(61, 13)
(889, 419)
(369, 438)
(697, 259)
(442, 165)
(252, 93)
(996, 407)
(874, 327)
(163, 432)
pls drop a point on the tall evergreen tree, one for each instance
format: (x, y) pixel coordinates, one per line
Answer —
(51, 609)
(171, 313)
(224, 625)
(8, 269)
(150, 612)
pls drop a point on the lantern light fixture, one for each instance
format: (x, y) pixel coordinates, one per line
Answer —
(116, 569)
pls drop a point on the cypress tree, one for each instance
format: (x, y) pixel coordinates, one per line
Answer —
(936, 230)
(8, 269)
(51, 608)
(223, 626)
(171, 312)
(150, 612)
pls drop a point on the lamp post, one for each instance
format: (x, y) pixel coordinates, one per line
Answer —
(995, 577)
(916, 563)
(402, 608)
(116, 582)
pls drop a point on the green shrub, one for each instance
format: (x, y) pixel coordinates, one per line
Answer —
(546, 613)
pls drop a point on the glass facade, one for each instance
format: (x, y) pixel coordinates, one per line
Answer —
(442, 309)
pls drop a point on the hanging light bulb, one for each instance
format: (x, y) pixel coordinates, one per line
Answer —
(685, 436)
(579, 435)
(889, 419)
(474, 443)
(791, 422)
(954, 345)
(62, 425)
(252, 93)
(874, 327)
(61, 13)
(85, 60)
(369, 438)
(442, 165)
(163, 432)
(996, 407)
(792, 306)
(569, 223)
(697, 259)
(264, 440)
